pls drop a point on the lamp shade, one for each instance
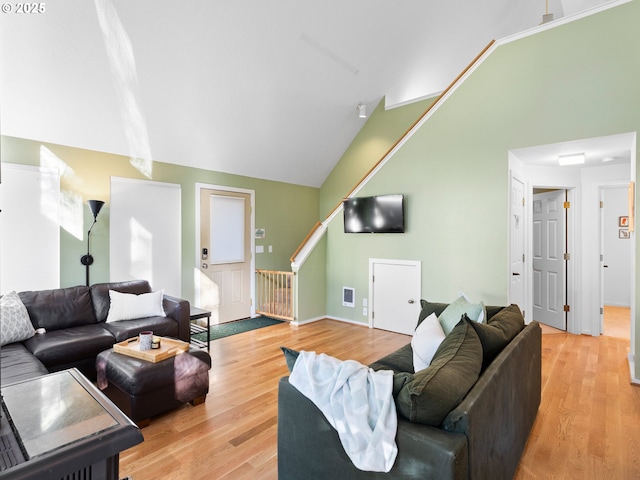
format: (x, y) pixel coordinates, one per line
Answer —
(95, 206)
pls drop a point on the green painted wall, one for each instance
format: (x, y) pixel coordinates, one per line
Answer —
(311, 283)
(380, 132)
(287, 212)
(575, 81)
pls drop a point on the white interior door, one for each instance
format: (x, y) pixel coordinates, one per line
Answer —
(517, 245)
(225, 254)
(394, 288)
(549, 233)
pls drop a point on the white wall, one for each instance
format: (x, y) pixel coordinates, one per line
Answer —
(617, 251)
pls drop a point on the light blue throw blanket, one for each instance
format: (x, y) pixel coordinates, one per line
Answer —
(357, 401)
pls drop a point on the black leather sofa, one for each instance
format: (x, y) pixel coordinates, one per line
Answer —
(483, 437)
(74, 319)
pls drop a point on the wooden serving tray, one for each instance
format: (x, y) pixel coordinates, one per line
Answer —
(169, 347)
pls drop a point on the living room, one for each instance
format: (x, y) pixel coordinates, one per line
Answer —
(559, 84)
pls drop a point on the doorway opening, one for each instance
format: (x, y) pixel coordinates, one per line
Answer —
(606, 160)
(615, 259)
(550, 256)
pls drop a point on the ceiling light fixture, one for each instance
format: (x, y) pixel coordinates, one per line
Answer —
(574, 159)
(362, 111)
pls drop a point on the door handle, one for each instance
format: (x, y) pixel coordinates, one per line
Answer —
(606, 266)
(411, 300)
(515, 274)
(205, 266)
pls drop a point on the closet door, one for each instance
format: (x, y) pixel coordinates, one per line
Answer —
(29, 228)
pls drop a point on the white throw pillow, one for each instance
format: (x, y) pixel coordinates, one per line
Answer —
(128, 306)
(426, 340)
(15, 324)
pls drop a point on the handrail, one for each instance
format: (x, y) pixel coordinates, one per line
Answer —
(404, 135)
(304, 242)
(401, 139)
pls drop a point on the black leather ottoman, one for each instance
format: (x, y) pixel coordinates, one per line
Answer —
(143, 389)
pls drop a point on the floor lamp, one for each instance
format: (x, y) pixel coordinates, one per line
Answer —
(87, 260)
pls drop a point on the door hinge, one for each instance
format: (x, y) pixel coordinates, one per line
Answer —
(566, 204)
(601, 204)
(567, 308)
(523, 258)
(601, 311)
(567, 256)
(523, 201)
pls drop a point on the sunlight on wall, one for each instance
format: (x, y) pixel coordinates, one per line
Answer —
(71, 218)
(123, 67)
(141, 251)
(209, 294)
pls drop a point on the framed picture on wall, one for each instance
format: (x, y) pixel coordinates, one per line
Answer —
(623, 222)
(623, 233)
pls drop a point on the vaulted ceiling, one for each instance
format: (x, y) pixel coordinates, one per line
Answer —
(266, 89)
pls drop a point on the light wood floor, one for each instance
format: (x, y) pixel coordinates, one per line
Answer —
(588, 425)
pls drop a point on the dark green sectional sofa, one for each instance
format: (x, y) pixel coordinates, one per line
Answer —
(452, 424)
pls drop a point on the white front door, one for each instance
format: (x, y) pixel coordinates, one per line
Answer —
(225, 254)
(395, 294)
(549, 234)
(516, 245)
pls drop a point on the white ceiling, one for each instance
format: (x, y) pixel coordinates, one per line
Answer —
(260, 88)
(608, 150)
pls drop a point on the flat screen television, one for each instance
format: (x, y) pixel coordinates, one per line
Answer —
(377, 214)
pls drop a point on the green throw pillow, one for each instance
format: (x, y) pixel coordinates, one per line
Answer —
(290, 356)
(451, 315)
(439, 388)
(427, 308)
(399, 361)
(498, 332)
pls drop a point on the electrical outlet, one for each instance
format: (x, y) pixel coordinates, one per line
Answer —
(364, 311)
(364, 302)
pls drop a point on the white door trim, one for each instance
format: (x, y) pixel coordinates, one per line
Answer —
(512, 296)
(196, 265)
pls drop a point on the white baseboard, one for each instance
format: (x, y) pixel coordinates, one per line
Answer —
(328, 317)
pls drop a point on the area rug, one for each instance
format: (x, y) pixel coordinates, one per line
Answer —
(239, 326)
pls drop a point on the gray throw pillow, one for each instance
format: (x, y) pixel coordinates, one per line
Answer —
(439, 388)
(15, 325)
